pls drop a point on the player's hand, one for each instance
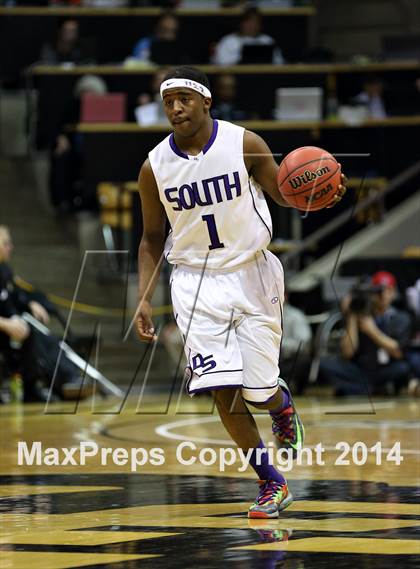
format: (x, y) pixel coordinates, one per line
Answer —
(144, 324)
(341, 190)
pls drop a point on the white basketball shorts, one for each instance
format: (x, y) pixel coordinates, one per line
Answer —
(231, 322)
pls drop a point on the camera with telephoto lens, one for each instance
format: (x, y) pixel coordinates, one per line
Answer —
(361, 297)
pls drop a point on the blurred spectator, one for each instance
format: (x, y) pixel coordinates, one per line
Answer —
(173, 341)
(228, 51)
(373, 344)
(413, 352)
(224, 105)
(413, 298)
(67, 47)
(19, 345)
(372, 96)
(149, 108)
(295, 354)
(66, 151)
(164, 45)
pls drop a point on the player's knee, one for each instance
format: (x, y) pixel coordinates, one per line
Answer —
(258, 396)
(224, 398)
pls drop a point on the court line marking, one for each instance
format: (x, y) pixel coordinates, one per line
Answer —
(165, 432)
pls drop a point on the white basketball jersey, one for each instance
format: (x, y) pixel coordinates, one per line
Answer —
(219, 216)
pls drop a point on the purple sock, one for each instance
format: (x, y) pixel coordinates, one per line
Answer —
(284, 405)
(265, 471)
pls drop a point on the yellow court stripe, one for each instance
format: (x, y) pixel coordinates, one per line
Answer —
(192, 515)
(44, 560)
(49, 537)
(13, 490)
(342, 545)
(356, 507)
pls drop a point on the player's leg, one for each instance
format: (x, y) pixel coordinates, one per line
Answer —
(274, 495)
(259, 337)
(202, 311)
(236, 418)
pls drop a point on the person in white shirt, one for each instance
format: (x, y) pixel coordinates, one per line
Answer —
(295, 355)
(372, 96)
(228, 51)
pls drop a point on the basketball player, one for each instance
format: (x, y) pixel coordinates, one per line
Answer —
(208, 178)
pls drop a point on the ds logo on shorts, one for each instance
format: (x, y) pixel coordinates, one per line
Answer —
(206, 363)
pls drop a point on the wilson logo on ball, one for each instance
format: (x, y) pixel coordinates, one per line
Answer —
(318, 195)
(307, 177)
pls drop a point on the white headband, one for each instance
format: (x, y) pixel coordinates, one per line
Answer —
(173, 83)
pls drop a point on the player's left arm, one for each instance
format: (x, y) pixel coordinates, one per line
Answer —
(261, 165)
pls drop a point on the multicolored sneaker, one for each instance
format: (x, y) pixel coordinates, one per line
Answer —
(287, 427)
(272, 498)
(270, 535)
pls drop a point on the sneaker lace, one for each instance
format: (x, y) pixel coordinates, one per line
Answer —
(267, 491)
(283, 424)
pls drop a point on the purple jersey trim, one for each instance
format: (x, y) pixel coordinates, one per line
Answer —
(211, 387)
(212, 137)
(257, 402)
(175, 148)
(219, 371)
(269, 387)
(207, 147)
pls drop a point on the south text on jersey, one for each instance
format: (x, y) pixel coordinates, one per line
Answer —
(205, 192)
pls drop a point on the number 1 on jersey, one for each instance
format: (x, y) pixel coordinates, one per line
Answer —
(214, 237)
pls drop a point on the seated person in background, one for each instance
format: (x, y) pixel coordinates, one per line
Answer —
(224, 105)
(149, 108)
(373, 343)
(66, 150)
(228, 51)
(19, 343)
(16, 344)
(166, 31)
(67, 48)
(174, 343)
(413, 352)
(372, 95)
(295, 354)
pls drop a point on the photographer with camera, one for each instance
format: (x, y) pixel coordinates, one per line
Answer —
(372, 349)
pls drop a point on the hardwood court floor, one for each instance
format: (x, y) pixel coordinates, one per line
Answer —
(57, 516)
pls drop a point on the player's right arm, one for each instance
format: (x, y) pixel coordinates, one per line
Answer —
(150, 249)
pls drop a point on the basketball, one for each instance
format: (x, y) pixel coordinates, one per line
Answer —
(308, 178)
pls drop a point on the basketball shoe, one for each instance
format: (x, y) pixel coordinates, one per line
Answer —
(268, 534)
(272, 498)
(287, 427)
